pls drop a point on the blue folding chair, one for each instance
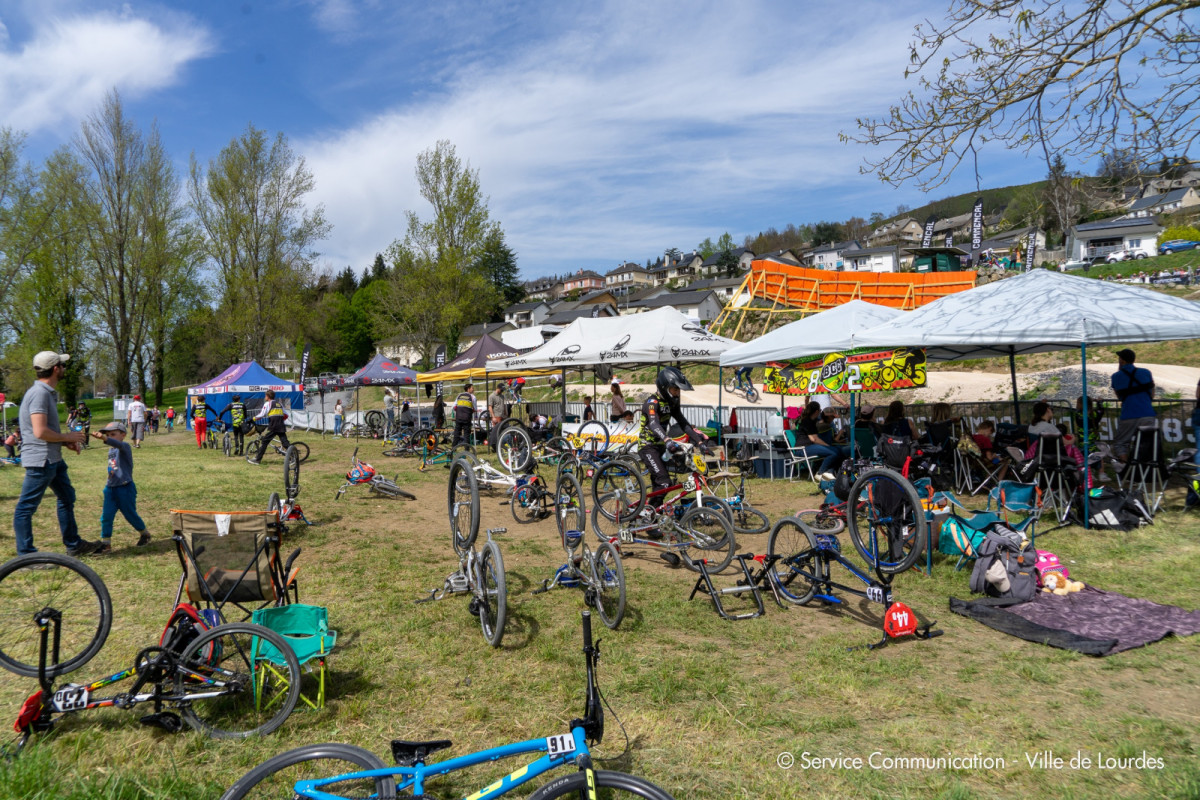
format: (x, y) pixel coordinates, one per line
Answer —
(1019, 498)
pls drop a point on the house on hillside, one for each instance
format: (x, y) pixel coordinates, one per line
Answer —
(645, 293)
(833, 256)
(873, 259)
(544, 288)
(1091, 240)
(568, 315)
(703, 305)
(473, 333)
(1167, 203)
(281, 359)
(959, 227)
(524, 315)
(627, 278)
(585, 280)
(402, 349)
(904, 232)
(744, 258)
(784, 256)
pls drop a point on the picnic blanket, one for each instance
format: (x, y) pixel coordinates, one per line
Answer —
(1093, 622)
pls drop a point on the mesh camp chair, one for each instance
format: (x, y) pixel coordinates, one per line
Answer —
(306, 629)
(972, 472)
(797, 456)
(1147, 469)
(1055, 472)
(1022, 499)
(864, 444)
(233, 559)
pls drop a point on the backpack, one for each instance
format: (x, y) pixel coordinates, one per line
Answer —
(844, 481)
(895, 451)
(1006, 566)
(1113, 510)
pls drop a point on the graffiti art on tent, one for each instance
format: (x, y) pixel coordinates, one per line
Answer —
(871, 370)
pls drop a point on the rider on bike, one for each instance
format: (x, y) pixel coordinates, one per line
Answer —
(742, 376)
(273, 411)
(237, 417)
(657, 412)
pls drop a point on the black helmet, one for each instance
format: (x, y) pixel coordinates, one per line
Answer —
(668, 377)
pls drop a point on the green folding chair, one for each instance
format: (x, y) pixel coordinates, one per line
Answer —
(306, 629)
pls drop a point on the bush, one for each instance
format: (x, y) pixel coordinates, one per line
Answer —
(1180, 232)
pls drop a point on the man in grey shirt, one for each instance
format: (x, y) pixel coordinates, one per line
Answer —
(41, 456)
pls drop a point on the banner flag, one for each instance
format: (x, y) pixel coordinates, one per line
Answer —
(976, 228)
(927, 235)
(1030, 249)
(304, 362)
(866, 370)
(439, 360)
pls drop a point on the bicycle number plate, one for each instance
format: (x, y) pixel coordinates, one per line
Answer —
(560, 744)
(878, 594)
(71, 697)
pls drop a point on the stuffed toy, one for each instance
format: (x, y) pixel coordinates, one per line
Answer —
(1059, 584)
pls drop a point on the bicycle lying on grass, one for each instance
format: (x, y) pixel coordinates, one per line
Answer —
(288, 509)
(363, 474)
(56, 615)
(337, 770)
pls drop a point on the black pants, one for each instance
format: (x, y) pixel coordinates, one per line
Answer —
(262, 450)
(239, 439)
(652, 456)
(462, 433)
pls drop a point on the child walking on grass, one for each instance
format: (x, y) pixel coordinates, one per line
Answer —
(120, 494)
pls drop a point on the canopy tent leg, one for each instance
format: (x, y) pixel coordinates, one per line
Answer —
(853, 419)
(1086, 466)
(563, 415)
(358, 413)
(1012, 370)
(720, 390)
(321, 389)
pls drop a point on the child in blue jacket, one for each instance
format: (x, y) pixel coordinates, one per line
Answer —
(120, 494)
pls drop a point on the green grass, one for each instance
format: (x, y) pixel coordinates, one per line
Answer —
(708, 705)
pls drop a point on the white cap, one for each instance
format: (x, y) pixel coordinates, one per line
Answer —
(47, 359)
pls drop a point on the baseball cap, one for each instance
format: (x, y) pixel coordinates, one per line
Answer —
(48, 359)
(137, 397)
(1126, 355)
(113, 426)
(866, 410)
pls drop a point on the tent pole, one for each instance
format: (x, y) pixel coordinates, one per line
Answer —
(853, 419)
(358, 412)
(720, 389)
(1012, 370)
(563, 416)
(1086, 466)
(322, 390)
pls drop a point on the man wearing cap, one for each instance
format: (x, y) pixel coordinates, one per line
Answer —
(1134, 387)
(41, 455)
(137, 420)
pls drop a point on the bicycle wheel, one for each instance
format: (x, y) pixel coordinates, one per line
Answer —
(605, 513)
(730, 385)
(375, 421)
(227, 444)
(709, 535)
(594, 434)
(751, 393)
(36, 581)
(258, 693)
(301, 450)
(277, 776)
(611, 785)
(822, 521)
(515, 449)
(568, 464)
(607, 592)
(555, 448)
(620, 474)
(526, 503)
(886, 520)
(463, 505)
(493, 607)
(273, 504)
(748, 519)
(569, 512)
(291, 472)
(796, 570)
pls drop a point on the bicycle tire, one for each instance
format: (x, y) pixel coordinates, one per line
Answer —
(569, 511)
(619, 474)
(227, 445)
(514, 448)
(374, 420)
(24, 592)
(748, 519)
(568, 464)
(597, 441)
(463, 505)
(216, 653)
(526, 503)
(822, 521)
(302, 449)
(291, 472)
(341, 759)
(608, 576)
(619, 785)
(273, 504)
(605, 523)
(796, 547)
(711, 535)
(751, 394)
(731, 385)
(556, 448)
(889, 505)
(494, 609)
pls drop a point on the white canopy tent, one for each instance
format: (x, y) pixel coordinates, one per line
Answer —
(829, 331)
(529, 338)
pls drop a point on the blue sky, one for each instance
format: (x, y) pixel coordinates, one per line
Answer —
(602, 132)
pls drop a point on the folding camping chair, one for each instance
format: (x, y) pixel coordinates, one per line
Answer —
(1056, 473)
(1018, 498)
(306, 629)
(232, 558)
(972, 472)
(1147, 470)
(864, 444)
(798, 456)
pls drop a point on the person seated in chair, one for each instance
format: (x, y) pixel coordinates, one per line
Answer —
(896, 423)
(808, 437)
(1043, 422)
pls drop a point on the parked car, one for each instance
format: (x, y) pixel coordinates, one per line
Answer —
(1071, 266)
(1176, 245)
(1123, 255)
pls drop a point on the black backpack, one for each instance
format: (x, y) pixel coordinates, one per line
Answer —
(1112, 510)
(1018, 559)
(895, 451)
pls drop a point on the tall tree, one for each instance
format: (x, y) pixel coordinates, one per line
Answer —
(498, 264)
(250, 203)
(1077, 78)
(1063, 195)
(706, 248)
(827, 233)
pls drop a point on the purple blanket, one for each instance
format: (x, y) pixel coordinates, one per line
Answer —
(1092, 621)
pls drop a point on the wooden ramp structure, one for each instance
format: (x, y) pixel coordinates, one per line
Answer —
(772, 287)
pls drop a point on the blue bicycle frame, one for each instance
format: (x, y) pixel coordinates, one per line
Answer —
(413, 778)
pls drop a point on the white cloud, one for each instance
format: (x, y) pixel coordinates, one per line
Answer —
(63, 70)
(631, 131)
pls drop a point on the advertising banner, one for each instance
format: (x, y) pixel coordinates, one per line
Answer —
(870, 370)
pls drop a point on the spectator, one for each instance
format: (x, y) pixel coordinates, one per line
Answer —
(618, 402)
(389, 409)
(895, 423)
(170, 418)
(808, 438)
(276, 417)
(407, 420)
(137, 420)
(41, 455)
(1043, 422)
(154, 415)
(120, 493)
(339, 415)
(439, 412)
(497, 409)
(464, 415)
(12, 442)
(866, 420)
(1135, 389)
(589, 413)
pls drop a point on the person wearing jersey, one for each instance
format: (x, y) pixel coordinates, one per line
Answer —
(170, 419)
(237, 418)
(275, 416)
(464, 415)
(83, 415)
(657, 412)
(199, 420)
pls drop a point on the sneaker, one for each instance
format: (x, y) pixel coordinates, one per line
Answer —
(84, 548)
(252, 460)
(104, 546)
(144, 539)
(827, 476)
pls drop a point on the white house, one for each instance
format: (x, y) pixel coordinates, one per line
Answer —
(833, 256)
(873, 259)
(702, 305)
(1094, 239)
(524, 315)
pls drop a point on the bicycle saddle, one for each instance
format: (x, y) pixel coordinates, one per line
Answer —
(407, 754)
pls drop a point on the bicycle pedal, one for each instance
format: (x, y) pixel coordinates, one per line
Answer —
(167, 720)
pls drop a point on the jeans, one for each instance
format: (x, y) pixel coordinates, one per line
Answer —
(834, 456)
(37, 479)
(337, 424)
(123, 499)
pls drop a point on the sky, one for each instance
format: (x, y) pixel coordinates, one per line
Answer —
(602, 133)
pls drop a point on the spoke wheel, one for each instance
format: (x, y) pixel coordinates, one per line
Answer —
(796, 547)
(36, 581)
(823, 521)
(748, 519)
(515, 449)
(888, 524)
(569, 513)
(463, 505)
(709, 535)
(277, 776)
(301, 450)
(494, 606)
(257, 669)
(273, 505)
(594, 435)
(526, 503)
(291, 472)
(620, 475)
(608, 585)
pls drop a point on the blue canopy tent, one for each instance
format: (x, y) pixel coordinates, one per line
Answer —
(249, 380)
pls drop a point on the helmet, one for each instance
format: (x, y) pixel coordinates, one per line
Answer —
(668, 377)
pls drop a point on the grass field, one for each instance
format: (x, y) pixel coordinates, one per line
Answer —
(708, 705)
